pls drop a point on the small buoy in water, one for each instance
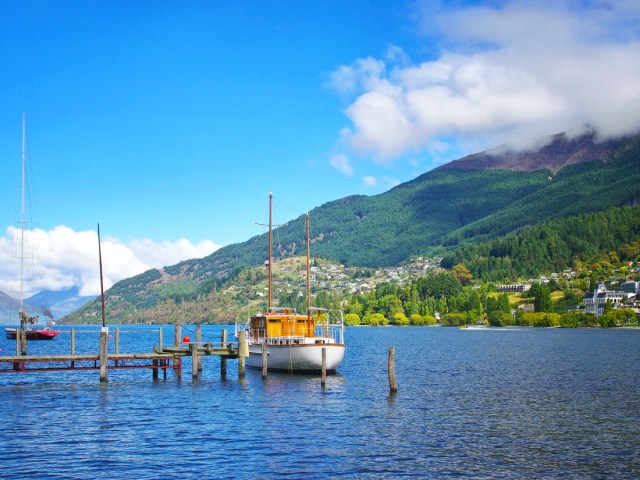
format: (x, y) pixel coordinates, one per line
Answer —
(186, 339)
(110, 336)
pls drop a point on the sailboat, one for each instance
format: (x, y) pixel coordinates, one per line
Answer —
(27, 323)
(294, 341)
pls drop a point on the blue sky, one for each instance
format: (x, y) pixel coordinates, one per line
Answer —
(170, 122)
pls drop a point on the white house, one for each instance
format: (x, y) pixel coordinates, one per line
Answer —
(595, 302)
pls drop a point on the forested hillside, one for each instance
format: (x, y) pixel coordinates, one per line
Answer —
(444, 207)
(435, 213)
(553, 246)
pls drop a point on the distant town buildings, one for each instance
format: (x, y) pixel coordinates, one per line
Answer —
(514, 288)
(595, 301)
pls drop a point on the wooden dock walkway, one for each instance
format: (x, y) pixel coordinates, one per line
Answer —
(161, 358)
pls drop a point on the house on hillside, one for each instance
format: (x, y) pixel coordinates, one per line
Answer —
(595, 301)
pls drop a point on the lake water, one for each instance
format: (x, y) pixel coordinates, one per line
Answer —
(513, 403)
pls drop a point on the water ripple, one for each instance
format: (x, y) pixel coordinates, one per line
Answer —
(504, 405)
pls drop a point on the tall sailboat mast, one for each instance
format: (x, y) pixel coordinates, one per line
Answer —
(22, 208)
(270, 250)
(308, 268)
(101, 278)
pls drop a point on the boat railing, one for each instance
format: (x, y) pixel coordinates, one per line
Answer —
(331, 324)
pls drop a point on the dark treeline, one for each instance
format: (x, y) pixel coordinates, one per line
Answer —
(553, 247)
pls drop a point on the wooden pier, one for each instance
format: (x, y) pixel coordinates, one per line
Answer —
(161, 358)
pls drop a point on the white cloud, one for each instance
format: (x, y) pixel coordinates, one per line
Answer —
(63, 258)
(370, 181)
(341, 163)
(169, 253)
(507, 75)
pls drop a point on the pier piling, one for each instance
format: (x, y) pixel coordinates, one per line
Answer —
(198, 343)
(177, 334)
(117, 346)
(194, 360)
(104, 371)
(393, 386)
(242, 351)
(73, 346)
(223, 360)
(264, 361)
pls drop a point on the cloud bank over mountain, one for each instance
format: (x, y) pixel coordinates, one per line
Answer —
(503, 74)
(66, 258)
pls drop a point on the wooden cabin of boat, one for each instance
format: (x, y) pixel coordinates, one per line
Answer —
(280, 325)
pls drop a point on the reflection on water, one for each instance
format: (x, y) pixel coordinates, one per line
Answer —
(526, 403)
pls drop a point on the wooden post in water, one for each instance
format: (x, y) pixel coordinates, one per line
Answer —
(155, 370)
(264, 361)
(393, 386)
(117, 349)
(223, 360)
(160, 337)
(24, 342)
(104, 371)
(177, 363)
(194, 359)
(198, 343)
(242, 346)
(18, 330)
(73, 346)
(323, 376)
(177, 334)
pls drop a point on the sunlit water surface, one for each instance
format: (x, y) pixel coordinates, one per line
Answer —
(513, 403)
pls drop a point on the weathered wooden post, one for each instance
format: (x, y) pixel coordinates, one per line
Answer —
(104, 371)
(73, 346)
(323, 376)
(194, 359)
(264, 361)
(117, 348)
(223, 360)
(18, 330)
(160, 338)
(177, 334)
(24, 342)
(155, 369)
(177, 365)
(393, 386)
(198, 343)
(242, 346)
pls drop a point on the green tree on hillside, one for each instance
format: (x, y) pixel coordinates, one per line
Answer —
(542, 298)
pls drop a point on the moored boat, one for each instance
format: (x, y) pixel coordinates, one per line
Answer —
(295, 341)
(46, 333)
(27, 327)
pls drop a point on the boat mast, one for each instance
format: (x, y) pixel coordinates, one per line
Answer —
(270, 251)
(101, 281)
(308, 270)
(22, 208)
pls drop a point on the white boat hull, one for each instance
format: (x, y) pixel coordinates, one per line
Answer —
(304, 358)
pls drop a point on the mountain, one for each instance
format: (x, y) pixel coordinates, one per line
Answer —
(45, 304)
(60, 303)
(9, 308)
(473, 199)
(555, 152)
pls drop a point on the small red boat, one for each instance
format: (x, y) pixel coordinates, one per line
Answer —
(33, 334)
